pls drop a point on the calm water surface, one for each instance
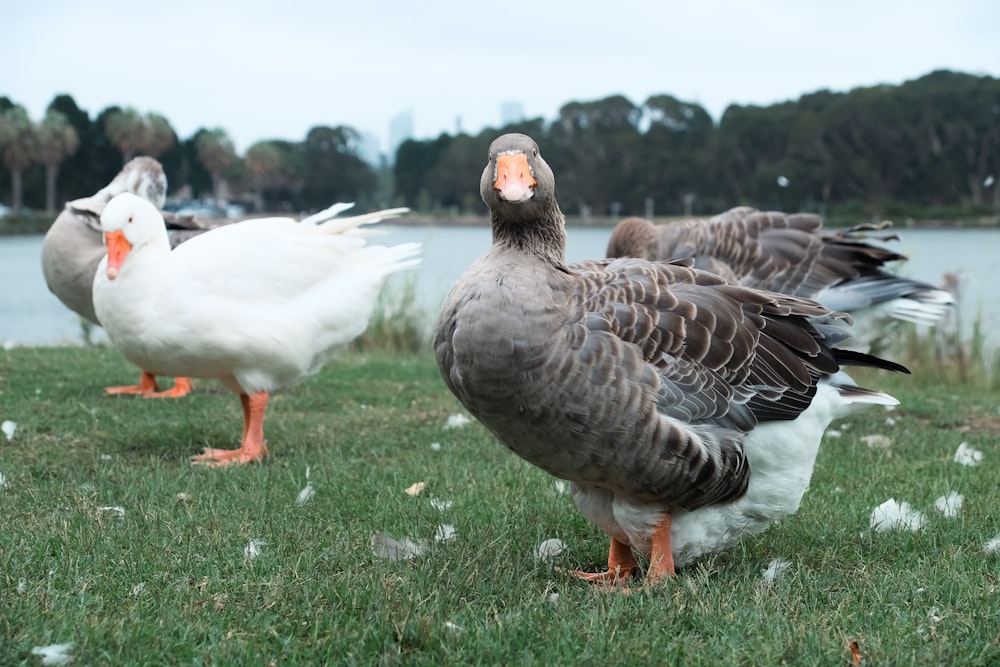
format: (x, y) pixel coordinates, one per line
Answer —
(31, 315)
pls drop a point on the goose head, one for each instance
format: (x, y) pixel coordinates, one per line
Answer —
(141, 175)
(128, 222)
(516, 181)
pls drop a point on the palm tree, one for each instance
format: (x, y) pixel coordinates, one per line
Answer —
(57, 140)
(19, 144)
(216, 152)
(133, 133)
(264, 160)
(159, 136)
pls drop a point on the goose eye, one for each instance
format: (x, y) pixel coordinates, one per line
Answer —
(130, 220)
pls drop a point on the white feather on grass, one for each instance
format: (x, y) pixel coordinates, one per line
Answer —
(387, 546)
(9, 428)
(775, 569)
(54, 654)
(877, 441)
(114, 510)
(967, 456)
(457, 420)
(950, 505)
(549, 549)
(992, 546)
(253, 549)
(441, 505)
(307, 492)
(444, 533)
(893, 515)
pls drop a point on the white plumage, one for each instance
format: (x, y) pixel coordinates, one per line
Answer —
(258, 305)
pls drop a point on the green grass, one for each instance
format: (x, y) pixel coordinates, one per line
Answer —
(168, 583)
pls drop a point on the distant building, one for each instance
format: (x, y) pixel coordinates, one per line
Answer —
(400, 129)
(511, 112)
(370, 149)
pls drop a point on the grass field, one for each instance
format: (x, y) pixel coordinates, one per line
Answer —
(111, 540)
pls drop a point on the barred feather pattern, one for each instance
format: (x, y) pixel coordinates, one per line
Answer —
(638, 377)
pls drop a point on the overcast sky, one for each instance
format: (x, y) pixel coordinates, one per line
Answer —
(264, 69)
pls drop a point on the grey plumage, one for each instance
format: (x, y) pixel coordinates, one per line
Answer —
(622, 374)
(791, 253)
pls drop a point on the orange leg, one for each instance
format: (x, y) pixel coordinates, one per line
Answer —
(661, 561)
(182, 387)
(147, 385)
(252, 447)
(621, 565)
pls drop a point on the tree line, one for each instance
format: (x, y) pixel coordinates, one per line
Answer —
(68, 155)
(929, 147)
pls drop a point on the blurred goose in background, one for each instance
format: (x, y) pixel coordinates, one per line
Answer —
(74, 246)
(259, 305)
(791, 254)
(687, 411)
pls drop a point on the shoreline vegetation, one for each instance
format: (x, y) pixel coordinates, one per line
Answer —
(40, 223)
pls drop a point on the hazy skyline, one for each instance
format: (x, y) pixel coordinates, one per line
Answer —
(264, 70)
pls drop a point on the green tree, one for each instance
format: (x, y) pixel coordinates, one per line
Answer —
(134, 133)
(95, 163)
(333, 170)
(19, 145)
(414, 162)
(594, 148)
(675, 155)
(268, 170)
(57, 140)
(216, 152)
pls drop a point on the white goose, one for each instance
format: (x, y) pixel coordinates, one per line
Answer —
(791, 253)
(259, 305)
(686, 411)
(74, 246)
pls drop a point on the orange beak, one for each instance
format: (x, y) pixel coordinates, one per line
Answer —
(514, 180)
(118, 248)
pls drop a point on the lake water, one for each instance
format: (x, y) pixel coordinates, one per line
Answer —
(31, 315)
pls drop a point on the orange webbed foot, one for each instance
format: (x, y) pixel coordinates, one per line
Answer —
(661, 561)
(147, 386)
(225, 457)
(622, 565)
(610, 579)
(252, 446)
(182, 387)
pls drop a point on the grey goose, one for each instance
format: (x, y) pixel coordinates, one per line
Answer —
(685, 410)
(792, 254)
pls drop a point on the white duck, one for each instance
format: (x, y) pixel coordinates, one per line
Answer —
(74, 246)
(259, 305)
(791, 253)
(687, 411)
